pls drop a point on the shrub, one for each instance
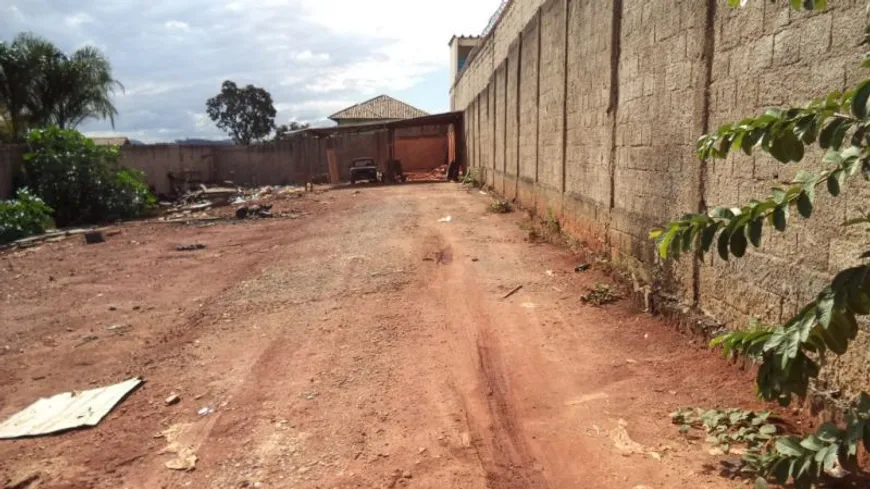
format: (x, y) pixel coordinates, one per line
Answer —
(500, 207)
(83, 182)
(24, 216)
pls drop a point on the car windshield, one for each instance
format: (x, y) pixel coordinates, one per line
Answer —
(363, 163)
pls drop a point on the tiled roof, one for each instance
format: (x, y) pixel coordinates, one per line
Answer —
(380, 107)
(111, 141)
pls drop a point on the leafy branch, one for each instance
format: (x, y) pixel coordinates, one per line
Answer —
(804, 460)
(784, 134)
(791, 355)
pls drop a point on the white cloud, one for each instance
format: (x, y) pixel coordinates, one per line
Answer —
(201, 121)
(14, 13)
(78, 19)
(313, 56)
(308, 56)
(177, 25)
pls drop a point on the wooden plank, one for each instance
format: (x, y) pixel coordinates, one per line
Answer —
(334, 175)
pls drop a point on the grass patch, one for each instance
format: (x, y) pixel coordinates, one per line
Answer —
(473, 178)
(601, 294)
(500, 207)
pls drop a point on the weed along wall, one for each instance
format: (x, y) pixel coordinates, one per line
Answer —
(590, 110)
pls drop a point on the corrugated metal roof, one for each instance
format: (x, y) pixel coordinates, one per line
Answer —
(66, 411)
(380, 107)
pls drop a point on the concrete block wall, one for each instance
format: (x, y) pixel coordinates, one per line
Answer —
(551, 105)
(589, 122)
(512, 121)
(604, 102)
(766, 56)
(158, 161)
(500, 125)
(530, 51)
(293, 161)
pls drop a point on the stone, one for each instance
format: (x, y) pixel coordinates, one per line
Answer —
(172, 399)
(94, 237)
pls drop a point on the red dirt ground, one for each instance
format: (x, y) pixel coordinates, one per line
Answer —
(362, 345)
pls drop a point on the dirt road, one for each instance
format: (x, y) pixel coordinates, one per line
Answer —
(366, 345)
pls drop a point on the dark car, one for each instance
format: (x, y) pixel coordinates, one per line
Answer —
(363, 169)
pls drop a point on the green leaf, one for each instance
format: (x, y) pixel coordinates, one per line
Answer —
(781, 149)
(804, 176)
(859, 301)
(805, 466)
(812, 443)
(828, 433)
(794, 148)
(805, 204)
(760, 483)
(738, 242)
(755, 228)
(834, 339)
(826, 137)
(707, 236)
(859, 100)
(789, 446)
(834, 182)
(782, 470)
(780, 217)
(839, 135)
(825, 307)
(767, 429)
(779, 195)
(664, 241)
(724, 240)
(688, 238)
(831, 457)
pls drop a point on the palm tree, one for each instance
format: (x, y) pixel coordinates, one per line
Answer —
(16, 69)
(6, 133)
(41, 86)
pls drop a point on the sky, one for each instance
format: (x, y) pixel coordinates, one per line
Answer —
(314, 56)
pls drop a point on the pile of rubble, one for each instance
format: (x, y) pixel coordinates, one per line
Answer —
(204, 202)
(435, 175)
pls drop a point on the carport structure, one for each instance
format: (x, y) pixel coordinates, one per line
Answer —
(422, 144)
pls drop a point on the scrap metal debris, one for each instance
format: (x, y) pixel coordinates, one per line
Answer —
(50, 236)
(201, 204)
(261, 211)
(513, 291)
(94, 237)
(190, 247)
(66, 411)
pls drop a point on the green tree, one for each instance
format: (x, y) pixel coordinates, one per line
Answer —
(791, 355)
(83, 183)
(246, 114)
(6, 130)
(41, 86)
(284, 130)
